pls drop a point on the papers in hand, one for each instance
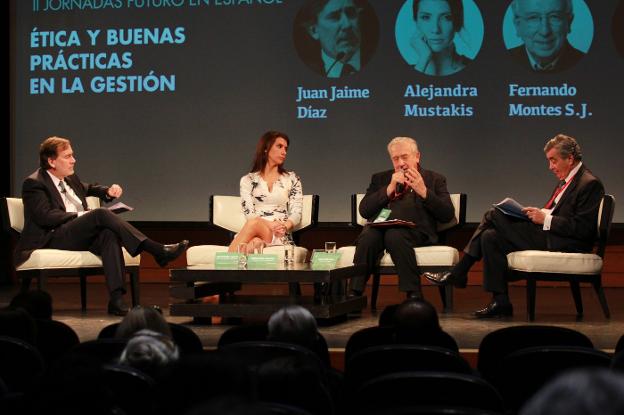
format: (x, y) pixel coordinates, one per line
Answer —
(511, 208)
(392, 222)
(119, 207)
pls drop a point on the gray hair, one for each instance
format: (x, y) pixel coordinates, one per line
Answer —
(404, 140)
(566, 146)
(515, 6)
(580, 392)
(149, 349)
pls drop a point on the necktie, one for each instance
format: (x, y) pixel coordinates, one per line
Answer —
(71, 198)
(559, 189)
(347, 70)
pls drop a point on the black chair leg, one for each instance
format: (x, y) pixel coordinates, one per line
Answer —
(602, 298)
(83, 292)
(576, 294)
(375, 290)
(531, 292)
(134, 286)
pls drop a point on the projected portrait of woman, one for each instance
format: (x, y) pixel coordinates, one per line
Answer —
(439, 37)
(548, 36)
(336, 38)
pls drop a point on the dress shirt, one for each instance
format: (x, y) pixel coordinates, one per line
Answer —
(70, 199)
(536, 66)
(548, 212)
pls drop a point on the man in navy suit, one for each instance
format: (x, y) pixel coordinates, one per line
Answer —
(568, 223)
(406, 192)
(56, 216)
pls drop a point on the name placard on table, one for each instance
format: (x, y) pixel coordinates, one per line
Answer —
(262, 261)
(226, 260)
(325, 260)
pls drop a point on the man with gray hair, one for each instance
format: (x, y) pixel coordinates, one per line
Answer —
(406, 192)
(567, 223)
(544, 25)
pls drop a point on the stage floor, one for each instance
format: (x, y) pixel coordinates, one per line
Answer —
(554, 307)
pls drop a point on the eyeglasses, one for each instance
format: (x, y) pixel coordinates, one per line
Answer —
(555, 20)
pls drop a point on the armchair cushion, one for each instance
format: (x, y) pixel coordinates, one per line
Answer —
(555, 262)
(57, 258)
(437, 255)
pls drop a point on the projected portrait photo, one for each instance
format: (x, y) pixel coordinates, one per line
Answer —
(548, 35)
(617, 28)
(336, 38)
(439, 37)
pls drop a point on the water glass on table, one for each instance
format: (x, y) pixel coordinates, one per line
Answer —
(330, 247)
(289, 253)
(258, 247)
(242, 255)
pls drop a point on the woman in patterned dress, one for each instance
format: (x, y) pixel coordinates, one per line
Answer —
(271, 196)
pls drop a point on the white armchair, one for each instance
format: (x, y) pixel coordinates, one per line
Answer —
(571, 267)
(429, 258)
(44, 263)
(226, 213)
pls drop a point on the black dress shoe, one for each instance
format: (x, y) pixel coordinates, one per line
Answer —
(494, 309)
(171, 252)
(117, 307)
(446, 278)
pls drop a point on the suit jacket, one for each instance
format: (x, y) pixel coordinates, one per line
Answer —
(426, 213)
(315, 62)
(44, 210)
(574, 223)
(568, 57)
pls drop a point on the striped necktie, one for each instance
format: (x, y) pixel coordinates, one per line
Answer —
(71, 198)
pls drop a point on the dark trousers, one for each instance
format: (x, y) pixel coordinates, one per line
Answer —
(102, 233)
(400, 243)
(497, 235)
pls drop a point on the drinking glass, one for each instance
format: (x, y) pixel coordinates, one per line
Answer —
(258, 247)
(330, 247)
(289, 252)
(242, 255)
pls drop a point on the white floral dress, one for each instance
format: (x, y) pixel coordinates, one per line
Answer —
(283, 202)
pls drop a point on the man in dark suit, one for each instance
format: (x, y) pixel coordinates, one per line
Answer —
(544, 25)
(410, 193)
(56, 216)
(567, 223)
(334, 27)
